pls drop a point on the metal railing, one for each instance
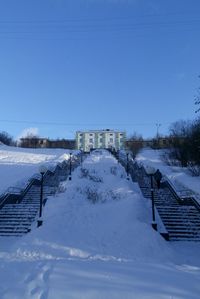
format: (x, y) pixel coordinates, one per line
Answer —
(52, 177)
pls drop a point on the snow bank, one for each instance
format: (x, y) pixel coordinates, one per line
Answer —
(17, 165)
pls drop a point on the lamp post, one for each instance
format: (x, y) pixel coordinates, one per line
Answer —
(151, 171)
(42, 170)
(157, 134)
(117, 156)
(127, 166)
(70, 166)
(81, 157)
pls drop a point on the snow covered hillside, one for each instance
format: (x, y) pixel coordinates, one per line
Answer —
(17, 165)
(96, 242)
(181, 178)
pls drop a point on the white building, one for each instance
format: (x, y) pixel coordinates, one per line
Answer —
(88, 140)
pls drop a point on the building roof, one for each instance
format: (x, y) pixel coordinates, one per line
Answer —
(103, 130)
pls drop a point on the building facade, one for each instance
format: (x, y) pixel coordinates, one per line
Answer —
(87, 140)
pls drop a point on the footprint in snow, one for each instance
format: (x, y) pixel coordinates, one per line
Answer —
(38, 282)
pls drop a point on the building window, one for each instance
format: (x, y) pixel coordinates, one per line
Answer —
(100, 140)
(91, 134)
(91, 140)
(111, 134)
(111, 140)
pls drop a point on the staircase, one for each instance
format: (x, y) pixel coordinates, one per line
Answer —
(17, 219)
(181, 218)
(18, 212)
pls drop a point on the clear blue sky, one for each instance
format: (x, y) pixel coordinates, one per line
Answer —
(67, 65)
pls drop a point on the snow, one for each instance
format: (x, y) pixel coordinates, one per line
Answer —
(180, 177)
(17, 165)
(96, 241)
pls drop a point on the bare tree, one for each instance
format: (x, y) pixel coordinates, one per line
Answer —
(134, 143)
(180, 132)
(5, 138)
(197, 100)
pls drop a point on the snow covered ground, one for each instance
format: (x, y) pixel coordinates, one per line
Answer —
(96, 242)
(181, 178)
(17, 165)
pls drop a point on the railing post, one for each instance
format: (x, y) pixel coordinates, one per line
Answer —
(42, 172)
(127, 166)
(154, 224)
(70, 166)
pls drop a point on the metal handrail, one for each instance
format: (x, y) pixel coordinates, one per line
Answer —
(19, 193)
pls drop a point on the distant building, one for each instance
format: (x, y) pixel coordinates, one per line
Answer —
(155, 143)
(94, 139)
(62, 143)
(36, 142)
(33, 142)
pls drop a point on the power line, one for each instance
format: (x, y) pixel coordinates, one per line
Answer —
(110, 18)
(77, 124)
(40, 30)
(114, 26)
(103, 26)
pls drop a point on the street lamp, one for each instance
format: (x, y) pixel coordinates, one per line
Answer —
(81, 157)
(151, 171)
(70, 166)
(42, 170)
(157, 134)
(127, 166)
(118, 156)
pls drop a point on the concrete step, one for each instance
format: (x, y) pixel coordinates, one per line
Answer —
(187, 208)
(183, 231)
(12, 234)
(11, 218)
(186, 218)
(17, 229)
(184, 239)
(185, 221)
(176, 216)
(15, 223)
(15, 215)
(21, 208)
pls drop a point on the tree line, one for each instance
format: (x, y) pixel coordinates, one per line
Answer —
(186, 142)
(6, 139)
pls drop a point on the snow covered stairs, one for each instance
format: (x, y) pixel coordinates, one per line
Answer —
(18, 214)
(17, 219)
(181, 218)
(182, 221)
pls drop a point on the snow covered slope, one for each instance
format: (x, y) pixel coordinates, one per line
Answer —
(97, 242)
(179, 176)
(17, 165)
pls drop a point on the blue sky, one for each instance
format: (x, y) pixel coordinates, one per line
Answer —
(92, 64)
